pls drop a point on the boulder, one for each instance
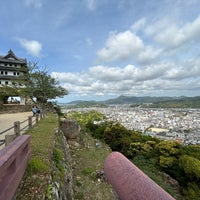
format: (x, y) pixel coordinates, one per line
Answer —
(70, 129)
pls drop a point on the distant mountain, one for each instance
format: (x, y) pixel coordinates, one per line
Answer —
(145, 101)
(135, 100)
(127, 100)
(82, 104)
(184, 102)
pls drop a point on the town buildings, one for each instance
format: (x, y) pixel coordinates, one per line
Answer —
(182, 125)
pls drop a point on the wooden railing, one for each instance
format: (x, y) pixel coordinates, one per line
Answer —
(18, 127)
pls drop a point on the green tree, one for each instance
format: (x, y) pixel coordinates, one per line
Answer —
(191, 167)
(168, 153)
(192, 150)
(40, 85)
(119, 138)
(169, 148)
(6, 91)
(192, 191)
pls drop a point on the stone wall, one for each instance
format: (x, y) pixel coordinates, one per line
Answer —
(14, 108)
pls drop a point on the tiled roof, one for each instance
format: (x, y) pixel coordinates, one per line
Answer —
(12, 58)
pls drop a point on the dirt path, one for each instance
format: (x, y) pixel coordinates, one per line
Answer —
(7, 121)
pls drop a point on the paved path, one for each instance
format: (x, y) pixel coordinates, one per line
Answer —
(7, 121)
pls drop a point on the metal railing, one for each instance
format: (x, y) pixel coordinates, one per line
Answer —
(18, 128)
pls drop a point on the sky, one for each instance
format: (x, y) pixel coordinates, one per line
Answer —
(101, 49)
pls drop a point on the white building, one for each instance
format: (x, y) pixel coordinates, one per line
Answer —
(11, 67)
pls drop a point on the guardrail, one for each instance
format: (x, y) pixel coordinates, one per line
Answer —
(129, 182)
(17, 128)
(13, 162)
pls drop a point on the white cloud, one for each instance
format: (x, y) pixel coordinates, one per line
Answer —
(33, 47)
(34, 3)
(121, 46)
(173, 35)
(138, 25)
(127, 45)
(159, 79)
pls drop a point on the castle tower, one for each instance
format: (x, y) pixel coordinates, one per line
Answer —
(11, 67)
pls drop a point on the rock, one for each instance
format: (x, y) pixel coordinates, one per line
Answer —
(70, 129)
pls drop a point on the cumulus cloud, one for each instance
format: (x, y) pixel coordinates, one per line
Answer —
(33, 47)
(132, 80)
(127, 45)
(147, 42)
(173, 35)
(162, 66)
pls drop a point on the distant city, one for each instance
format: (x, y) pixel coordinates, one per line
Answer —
(182, 125)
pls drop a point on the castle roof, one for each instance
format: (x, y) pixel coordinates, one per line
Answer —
(12, 58)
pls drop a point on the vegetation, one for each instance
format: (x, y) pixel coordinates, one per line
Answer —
(84, 118)
(154, 156)
(163, 161)
(87, 163)
(47, 168)
(40, 85)
(6, 91)
(185, 102)
(85, 104)
(39, 169)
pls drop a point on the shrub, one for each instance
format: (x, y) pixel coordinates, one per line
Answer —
(36, 165)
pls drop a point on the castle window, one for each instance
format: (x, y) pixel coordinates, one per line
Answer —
(0, 82)
(1, 72)
(6, 82)
(14, 73)
(6, 72)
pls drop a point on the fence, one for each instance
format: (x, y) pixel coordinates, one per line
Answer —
(17, 128)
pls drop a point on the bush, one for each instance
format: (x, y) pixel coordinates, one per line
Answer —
(36, 165)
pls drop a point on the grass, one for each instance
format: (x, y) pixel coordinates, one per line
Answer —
(36, 178)
(149, 168)
(48, 153)
(88, 159)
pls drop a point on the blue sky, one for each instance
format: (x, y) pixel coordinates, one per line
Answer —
(102, 49)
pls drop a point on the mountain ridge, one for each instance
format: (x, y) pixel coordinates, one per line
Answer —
(135, 100)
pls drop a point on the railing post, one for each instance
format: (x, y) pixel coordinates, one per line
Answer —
(36, 118)
(17, 128)
(30, 121)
